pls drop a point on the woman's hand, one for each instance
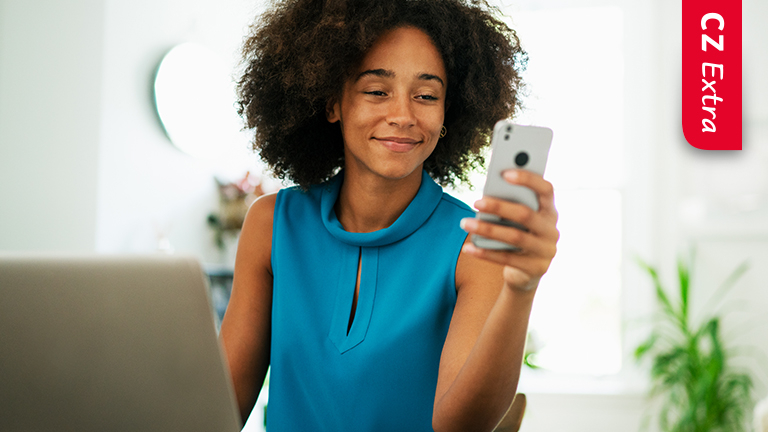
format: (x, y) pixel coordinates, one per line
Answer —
(522, 268)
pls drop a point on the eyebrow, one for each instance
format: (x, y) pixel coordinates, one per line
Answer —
(386, 73)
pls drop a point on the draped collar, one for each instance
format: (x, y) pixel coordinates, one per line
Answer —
(418, 211)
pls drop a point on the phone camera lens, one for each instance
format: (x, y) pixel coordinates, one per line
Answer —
(506, 137)
(509, 128)
(521, 159)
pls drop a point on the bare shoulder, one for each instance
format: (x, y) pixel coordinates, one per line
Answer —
(255, 242)
(261, 212)
(475, 274)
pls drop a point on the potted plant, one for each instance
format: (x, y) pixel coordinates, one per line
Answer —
(234, 200)
(690, 365)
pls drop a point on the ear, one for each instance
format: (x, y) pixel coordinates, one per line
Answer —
(332, 111)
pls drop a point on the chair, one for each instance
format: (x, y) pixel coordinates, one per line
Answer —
(514, 417)
(761, 416)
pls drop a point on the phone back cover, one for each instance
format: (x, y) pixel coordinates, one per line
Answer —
(533, 140)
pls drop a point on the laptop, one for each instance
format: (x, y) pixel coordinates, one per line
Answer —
(110, 343)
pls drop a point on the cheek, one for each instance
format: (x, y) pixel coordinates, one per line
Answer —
(356, 118)
(436, 124)
(431, 117)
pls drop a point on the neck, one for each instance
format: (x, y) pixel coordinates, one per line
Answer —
(369, 203)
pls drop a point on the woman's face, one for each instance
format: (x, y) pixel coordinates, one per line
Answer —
(391, 110)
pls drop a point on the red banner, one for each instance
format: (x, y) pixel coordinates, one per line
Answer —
(712, 74)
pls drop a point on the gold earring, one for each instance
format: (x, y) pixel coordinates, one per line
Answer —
(443, 131)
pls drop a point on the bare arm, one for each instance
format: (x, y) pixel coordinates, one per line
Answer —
(483, 352)
(245, 330)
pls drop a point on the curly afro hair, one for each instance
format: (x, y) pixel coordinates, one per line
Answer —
(299, 54)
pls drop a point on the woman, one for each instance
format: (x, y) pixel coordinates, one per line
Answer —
(359, 285)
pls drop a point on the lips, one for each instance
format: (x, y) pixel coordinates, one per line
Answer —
(397, 144)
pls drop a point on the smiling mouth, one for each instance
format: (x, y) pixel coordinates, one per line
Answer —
(397, 144)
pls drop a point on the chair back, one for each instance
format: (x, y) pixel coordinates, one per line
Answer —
(514, 417)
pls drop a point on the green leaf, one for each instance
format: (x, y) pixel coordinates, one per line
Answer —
(690, 365)
(528, 360)
(661, 295)
(646, 346)
(727, 285)
(684, 276)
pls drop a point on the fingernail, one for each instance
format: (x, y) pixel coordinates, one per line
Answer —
(480, 204)
(468, 224)
(469, 248)
(511, 175)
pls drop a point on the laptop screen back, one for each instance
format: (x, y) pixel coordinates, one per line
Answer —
(110, 343)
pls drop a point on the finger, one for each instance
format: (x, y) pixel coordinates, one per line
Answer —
(529, 244)
(504, 234)
(543, 189)
(533, 266)
(541, 223)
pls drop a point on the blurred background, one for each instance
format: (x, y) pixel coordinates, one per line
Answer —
(88, 166)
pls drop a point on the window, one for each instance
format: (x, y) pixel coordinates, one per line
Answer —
(575, 86)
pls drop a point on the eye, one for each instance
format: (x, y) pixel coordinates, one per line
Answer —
(375, 93)
(428, 97)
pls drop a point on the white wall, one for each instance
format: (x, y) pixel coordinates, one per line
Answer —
(84, 162)
(147, 187)
(50, 75)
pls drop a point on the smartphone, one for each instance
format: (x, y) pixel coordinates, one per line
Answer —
(513, 146)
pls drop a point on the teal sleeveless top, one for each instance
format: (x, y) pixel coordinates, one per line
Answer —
(382, 374)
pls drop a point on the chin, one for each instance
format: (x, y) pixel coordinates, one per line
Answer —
(398, 172)
(386, 165)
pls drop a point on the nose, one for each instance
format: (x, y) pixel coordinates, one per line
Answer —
(400, 112)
